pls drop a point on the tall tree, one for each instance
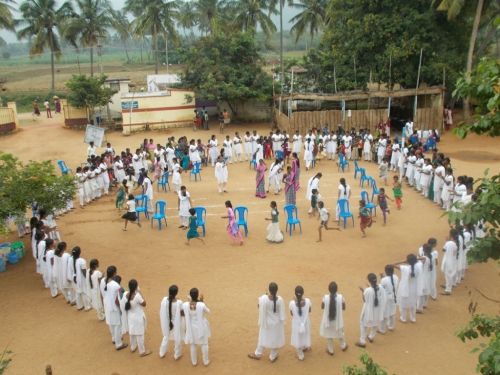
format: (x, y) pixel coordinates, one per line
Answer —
(311, 18)
(187, 16)
(209, 14)
(123, 28)
(251, 14)
(154, 17)
(6, 17)
(90, 25)
(41, 19)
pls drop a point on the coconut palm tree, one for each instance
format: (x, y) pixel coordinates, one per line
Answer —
(154, 17)
(6, 18)
(123, 28)
(209, 13)
(89, 26)
(311, 18)
(187, 16)
(250, 14)
(40, 22)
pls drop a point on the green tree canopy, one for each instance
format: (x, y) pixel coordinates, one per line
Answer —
(226, 67)
(21, 185)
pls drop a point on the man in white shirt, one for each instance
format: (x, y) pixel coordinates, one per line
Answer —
(91, 150)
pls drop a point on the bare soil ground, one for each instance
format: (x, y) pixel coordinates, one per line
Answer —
(40, 330)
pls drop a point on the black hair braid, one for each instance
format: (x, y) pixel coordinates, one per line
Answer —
(172, 292)
(393, 289)
(132, 286)
(332, 308)
(412, 274)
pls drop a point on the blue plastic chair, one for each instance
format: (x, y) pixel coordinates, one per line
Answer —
(159, 214)
(343, 163)
(375, 190)
(253, 164)
(241, 218)
(368, 204)
(344, 212)
(279, 155)
(163, 182)
(364, 178)
(201, 213)
(195, 171)
(357, 169)
(63, 167)
(143, 207)
(291, 218)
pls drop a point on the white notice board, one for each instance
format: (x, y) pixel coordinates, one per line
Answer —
(95, 134)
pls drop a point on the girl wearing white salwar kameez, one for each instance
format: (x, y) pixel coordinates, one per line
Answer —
(450, 261)
(308, 153)
(171, 323)
(410, 168)
(425, 177)
(87, 185)
(372, 313)
(367, 148)
(119, 171)
(271, 324)
(110, 291)
(50, 269)
(248, 146)
(66, 286)
(228, 149)
(59, 276)
(390, 284)
(77, 269)
(439, 175)
(332, 323)
(418, 169)
(41, 247)
(274, 176)
(183, 205)
(297, 143)
(300, 308)
(80, 180)
(312, 184)
(447, 191)
(381, 146)
(134, 307)
(176, 176)
(237, 147)
(431, 243)
(221, 174)
(104, 177)
(214, 151)
(92, 280)
(408, 288)
(424, 289)
(197, 327)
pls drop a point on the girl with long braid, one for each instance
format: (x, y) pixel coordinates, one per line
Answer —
(197, 327)
(271, 324)
(426, 278)
(432, 242)
(79, 270)
(171, 322)
(390, 284)
(372, 313)
(110, 290)
(411, 270)
(450, 261)
(92, 280)
(134, 308)
(332, 324)
(300, 309)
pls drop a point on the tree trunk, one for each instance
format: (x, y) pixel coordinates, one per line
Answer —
(470, 54)
(126, 51)
(52, 69)
(91, 61)
(155, 46)
(142, 41)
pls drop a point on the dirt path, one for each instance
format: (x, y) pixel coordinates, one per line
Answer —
(43, 331)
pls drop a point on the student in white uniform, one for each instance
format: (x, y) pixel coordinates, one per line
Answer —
(258, 151)
(410, 169)
(372, 313)
(176, 176)
(424, 289)
(110, 294)
(248, 146)
(60, 275)
(78, 270)
(312, 184)
(221, 174)
(147, 186)
(44, 265)
(194, 155)
(390, 284)
(171, 323)
(104, 177)
(449, 263)
(197, 327)
(80, 179)
(183, 205)
(137, 163)
(308, 153)
(93, 280)
(431, 243)
(255, 137)
(300, 309)
(447, 190)
(271, 324)
(367, 147)
(425, 176)
(418, 172)
(348, 146)
(439, 175)
(237, 147)
(228, 149)
(297, 143)
(411, 271)
(274, 173)
(51, 269)
(136, 318)
(332, 323)
(213, 150)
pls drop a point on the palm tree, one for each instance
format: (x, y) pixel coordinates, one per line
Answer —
(90, 25)
(311, 17)
(123, 28)
(187, 16)
(6, 18)
(209, 13)
(249, 14)
(453, 8)
(41, 19)
(154, 17)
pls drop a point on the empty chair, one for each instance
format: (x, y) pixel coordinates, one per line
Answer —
(279, 155)
(141, 206)
(63, 167)
(368, 204)
(344, 212)
(253, 163)
(163, 182)
(196, 171)
(375, 190)
(357, 169)
(201, 213)
(241, 218)
(343, 163)
(291, 218)
(160, 209)
(363, 177)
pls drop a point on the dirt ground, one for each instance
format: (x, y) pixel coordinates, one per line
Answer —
(41, 331)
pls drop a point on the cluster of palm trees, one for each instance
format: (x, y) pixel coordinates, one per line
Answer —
(87, 23)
